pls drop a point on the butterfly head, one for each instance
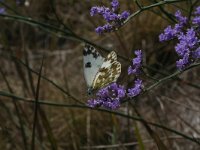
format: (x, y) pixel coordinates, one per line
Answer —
(90, 91)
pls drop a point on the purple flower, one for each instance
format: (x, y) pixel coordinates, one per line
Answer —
(125, 15)
(114, 20)
(110, 16)
(98, 10)
(188, 39)
(106, 27)
(187, 43)
(2, 11)
(182, 48)
(94, 102)
(181, 19)
(137, 89)
(93, 11)
(99, 30)
(197, 12)
(191, 38)
(196, 21)
(109, 97)
(196, 53)
(115, 5)
(182, 63)
(169, 33)
(136, 63)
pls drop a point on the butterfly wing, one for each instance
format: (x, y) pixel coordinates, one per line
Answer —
(92, 61)
(109, 71)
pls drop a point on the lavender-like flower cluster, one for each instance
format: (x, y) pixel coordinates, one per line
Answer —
(188, 46)
(136, 63)
(136, 90)
(135, 69)
(112, 96)
(196, 19)
(109, 97)
(113, 18)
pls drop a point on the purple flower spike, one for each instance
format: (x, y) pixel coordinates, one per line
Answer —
(181, 19)
(109, 97)
(94, 103)
(114, 20)
(196, 21)
(168, 34)
(197, 12)
(191, 38)
(182, 63)
(136, 63)
(188, 44)
(136, 90)
(99, 30)
(93, 11)
(107, 27)
(196, 53)
(115, 5)
(125, 15)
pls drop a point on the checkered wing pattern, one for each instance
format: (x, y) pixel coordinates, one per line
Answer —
(109, 71)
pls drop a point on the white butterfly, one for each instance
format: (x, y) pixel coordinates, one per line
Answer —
(99, 71)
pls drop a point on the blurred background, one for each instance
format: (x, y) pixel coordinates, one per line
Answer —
(55, 32)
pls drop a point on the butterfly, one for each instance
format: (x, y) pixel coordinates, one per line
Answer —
(99, 71)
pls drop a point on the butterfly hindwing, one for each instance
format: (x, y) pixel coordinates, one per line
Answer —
(92, 61)
(108, 72)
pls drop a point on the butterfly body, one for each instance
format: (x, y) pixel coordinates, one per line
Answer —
(99, 71)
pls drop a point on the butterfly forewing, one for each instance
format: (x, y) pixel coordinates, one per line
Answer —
(108, 72)
(92, 61)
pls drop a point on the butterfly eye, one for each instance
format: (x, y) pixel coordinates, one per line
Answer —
(89, 91)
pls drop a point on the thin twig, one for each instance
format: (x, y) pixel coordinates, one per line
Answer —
(36, 107)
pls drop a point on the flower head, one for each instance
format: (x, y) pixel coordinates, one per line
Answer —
(136, 63)
(115, 5)
(181, 19)
(196, 19)
(169, 33)
(196, 53)
(114, 20)
(188, 38)
(183, 62)
(197, 12)
(136, 90)
(109, 97)
(124, 15)
(99, 30)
